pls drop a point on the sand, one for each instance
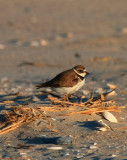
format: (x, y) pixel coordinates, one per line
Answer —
(38, 40)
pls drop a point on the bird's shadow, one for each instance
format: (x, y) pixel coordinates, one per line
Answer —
(91, 125)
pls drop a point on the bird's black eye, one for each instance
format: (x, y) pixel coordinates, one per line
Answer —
(80, 71)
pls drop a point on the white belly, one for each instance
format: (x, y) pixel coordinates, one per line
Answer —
(65, 90)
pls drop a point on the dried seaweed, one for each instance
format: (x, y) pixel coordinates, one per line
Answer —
(97, 110)
(18, 116)
(93, 105)
(54, 108)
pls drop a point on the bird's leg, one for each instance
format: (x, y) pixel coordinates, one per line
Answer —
(64, 98)
(67, 97)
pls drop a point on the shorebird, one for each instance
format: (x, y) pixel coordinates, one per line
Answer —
(66, 82)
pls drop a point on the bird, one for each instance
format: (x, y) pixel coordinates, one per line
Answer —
(66, 82)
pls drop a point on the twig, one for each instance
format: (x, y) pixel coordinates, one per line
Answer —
(97, 110)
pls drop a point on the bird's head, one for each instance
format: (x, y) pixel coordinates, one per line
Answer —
(80, 70)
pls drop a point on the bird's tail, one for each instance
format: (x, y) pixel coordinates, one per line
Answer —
(38, 86)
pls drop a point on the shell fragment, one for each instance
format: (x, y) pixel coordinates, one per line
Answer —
(110, 117)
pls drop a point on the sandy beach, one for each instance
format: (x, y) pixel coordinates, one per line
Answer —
(42, 38)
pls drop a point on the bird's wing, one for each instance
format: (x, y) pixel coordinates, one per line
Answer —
(64, 79)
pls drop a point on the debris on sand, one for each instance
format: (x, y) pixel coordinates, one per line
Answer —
(124, 30)
(18, 116)
(93, 105)
(102, 126)
(109, 116)
(111, 86)
(101, 59)
(34, 43)
(55, 148)
(64, 140)
(44, 42)
(4, 80)
(2, 46)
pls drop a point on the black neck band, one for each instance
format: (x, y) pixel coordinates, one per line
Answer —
(80, 76)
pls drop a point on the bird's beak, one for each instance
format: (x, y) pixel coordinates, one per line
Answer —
(87, 72)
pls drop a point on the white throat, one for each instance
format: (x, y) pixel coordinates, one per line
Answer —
(80, 74)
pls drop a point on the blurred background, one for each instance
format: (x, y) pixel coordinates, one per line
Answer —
(40, 38)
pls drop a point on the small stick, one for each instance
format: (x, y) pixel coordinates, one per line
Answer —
(97, 110)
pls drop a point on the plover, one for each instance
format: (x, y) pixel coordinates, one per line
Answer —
(67, 82)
